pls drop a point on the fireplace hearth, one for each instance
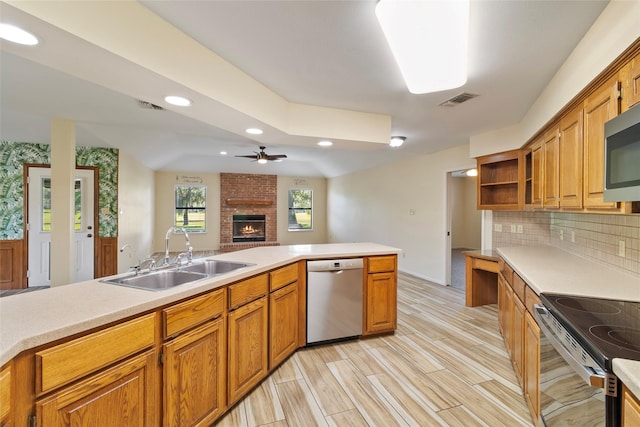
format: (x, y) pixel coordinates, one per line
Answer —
(249, 228)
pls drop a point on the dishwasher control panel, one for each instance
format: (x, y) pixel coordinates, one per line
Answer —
(335, 264)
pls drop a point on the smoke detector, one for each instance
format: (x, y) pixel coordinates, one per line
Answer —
(149, 106)
(458, 99)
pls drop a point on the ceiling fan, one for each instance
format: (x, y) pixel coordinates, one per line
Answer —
(262, 157)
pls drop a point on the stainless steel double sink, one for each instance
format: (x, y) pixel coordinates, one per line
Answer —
(158, 280)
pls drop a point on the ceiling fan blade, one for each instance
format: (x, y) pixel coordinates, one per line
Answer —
(276, 156)
(251, 156)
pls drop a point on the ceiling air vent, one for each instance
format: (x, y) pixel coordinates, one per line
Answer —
(149, 106)
(458, 99)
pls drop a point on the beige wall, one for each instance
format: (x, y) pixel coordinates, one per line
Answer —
(165, 183)
(401, 204)
(319, 232)
(135, 210)
(465, 217)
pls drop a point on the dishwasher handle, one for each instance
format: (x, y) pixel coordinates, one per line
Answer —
(334, 265)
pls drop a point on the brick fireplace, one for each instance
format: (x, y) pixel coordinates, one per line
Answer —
(248, 195)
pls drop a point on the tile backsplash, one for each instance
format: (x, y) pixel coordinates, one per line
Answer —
(592, 236)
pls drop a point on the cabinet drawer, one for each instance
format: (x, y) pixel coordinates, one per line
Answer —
(507, 272)
(530, 298)
(188, 314)
(283, 276)
(381, 264)
(248, 290)
(5, 393)
(66, 362)
(518, 286)
(485, 264)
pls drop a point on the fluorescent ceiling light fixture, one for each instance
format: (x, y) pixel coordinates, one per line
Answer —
(177, 100)
(429, 40)
(472, 172)
(397, 141)
(17, 35)
(254, 131)
(325, 143)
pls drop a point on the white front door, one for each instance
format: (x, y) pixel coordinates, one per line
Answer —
(39, 225)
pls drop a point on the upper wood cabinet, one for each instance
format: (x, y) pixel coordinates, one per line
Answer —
(600, 107)
(501, 181)
(630, 77)
(570, 159)
(544, 170)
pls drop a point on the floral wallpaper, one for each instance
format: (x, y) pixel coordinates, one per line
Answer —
(14, 154)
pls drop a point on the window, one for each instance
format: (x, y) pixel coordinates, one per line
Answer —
(300, 209)
(190, 210)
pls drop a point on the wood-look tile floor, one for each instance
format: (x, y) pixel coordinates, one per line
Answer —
(445, 365)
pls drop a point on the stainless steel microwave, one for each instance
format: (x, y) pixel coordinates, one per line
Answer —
(622, 157)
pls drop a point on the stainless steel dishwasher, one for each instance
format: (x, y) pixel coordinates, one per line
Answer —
(334, 299)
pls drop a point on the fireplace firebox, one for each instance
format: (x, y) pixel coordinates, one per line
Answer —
(249, 228)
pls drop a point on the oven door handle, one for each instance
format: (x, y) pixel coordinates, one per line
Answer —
(588, 374)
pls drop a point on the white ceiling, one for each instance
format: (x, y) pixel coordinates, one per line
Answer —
(324, 53)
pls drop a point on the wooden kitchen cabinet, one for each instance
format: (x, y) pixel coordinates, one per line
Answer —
(537, 174)
(599, 107)
(531, 383)
(380, 295)
(501, 180)
(630, 77)
(283, 323)
(630, 408)
(551, 186)
(195, 375)
(248, 334)
(195, 360)
(570, 159)
(123, 395)
(6, 402)
(517, 342)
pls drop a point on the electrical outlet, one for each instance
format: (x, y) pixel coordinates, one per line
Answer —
(621, 248)
(573, 236)
(520, 229)
(561, 234)
(497, 227)
(513, 228)
(412, 211)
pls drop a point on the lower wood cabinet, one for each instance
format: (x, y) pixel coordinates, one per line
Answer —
(248, 360)
(195, 376)
(123, 395)
(517, 343)
(630, 409)
(6, 401)
(531, 383)
(283, 323)
(380, 296)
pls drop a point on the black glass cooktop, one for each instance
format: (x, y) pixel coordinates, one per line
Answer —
(605, 328)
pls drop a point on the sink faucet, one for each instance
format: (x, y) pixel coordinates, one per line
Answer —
(166, 244)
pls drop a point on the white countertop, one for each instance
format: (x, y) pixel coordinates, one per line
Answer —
(550, 269)
(35, 318)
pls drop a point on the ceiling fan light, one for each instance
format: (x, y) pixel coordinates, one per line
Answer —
(262, 161)
(429, 40)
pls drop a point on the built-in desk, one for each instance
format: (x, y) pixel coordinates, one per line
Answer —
(481, 277)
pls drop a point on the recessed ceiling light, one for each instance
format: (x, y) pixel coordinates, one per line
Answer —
(177, 100)
(325, 143)
(472, 172)
(17, 35)
(223, 153)
(254, 131)
(397, 141)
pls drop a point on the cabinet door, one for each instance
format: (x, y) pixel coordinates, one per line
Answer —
(631, 83)
(507, 333)
(195, 375)
(6, 401)
(123, 395)
(283, 323)
(517, 345)
(600, 107)
(380, 303)
(537, 177)
(502, 301)
(571, 159)
(532, 365)
(550, 172)
(248, 347)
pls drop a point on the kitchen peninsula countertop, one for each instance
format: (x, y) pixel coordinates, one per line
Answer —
(550, 269)
(32, 319)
